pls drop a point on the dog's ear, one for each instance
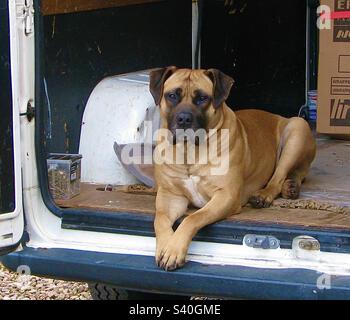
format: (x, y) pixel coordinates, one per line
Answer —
(157, 80)
(222, 85)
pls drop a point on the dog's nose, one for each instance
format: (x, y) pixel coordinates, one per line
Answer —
(184, 119)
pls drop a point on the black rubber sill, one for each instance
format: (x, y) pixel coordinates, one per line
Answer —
(220, 232)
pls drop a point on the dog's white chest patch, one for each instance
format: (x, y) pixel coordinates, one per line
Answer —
(191, 186)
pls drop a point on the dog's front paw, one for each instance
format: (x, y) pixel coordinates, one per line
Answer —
(172, 256)
(160, 247)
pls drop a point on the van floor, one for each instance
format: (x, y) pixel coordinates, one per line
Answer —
(324, 200)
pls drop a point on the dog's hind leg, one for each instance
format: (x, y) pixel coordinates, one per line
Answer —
(298, 151)
(291, 186)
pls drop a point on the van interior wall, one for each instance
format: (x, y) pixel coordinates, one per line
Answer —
(80, 49)
(261, 44)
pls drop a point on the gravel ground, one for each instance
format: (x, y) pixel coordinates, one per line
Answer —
(24, 287)
(14, 286)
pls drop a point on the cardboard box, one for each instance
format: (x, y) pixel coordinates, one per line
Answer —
(333, 108)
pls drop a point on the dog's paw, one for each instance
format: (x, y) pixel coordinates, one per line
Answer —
(160, 247)
(172, 256)
(260, 201)
(290, 189)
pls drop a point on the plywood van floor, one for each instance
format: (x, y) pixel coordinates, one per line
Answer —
(324, 200)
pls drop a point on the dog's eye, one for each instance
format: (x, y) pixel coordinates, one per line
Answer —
(172, 96)
(201, 99)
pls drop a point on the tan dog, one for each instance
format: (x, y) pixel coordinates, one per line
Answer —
(268, 155)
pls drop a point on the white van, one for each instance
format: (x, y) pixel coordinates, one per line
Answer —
(73, 82)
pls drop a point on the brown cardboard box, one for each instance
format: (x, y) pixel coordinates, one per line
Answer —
(333, 108)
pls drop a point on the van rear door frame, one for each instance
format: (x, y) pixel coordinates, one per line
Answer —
(17, 35)
(335, 240)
